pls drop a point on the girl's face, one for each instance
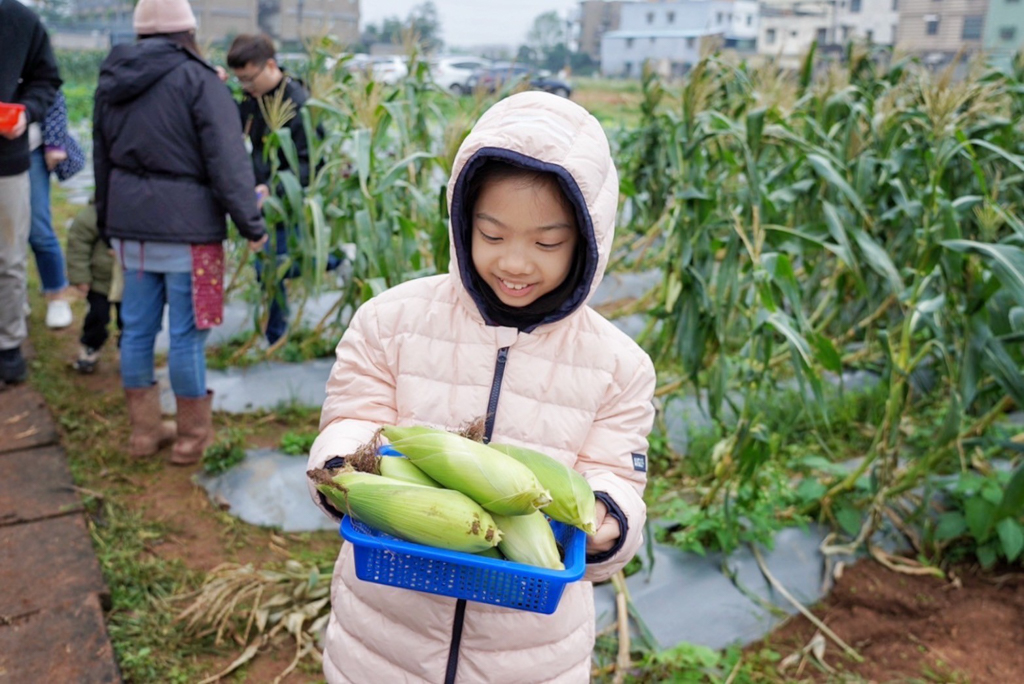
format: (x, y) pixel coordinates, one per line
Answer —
(524, 239)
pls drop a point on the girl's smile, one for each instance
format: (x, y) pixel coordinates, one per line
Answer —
(524, 238)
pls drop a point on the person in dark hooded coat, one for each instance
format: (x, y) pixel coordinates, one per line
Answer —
(169, 163)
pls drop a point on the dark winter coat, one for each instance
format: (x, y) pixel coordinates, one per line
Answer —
(256, 127)
(28, 76)
(167, 149)
(88, 257)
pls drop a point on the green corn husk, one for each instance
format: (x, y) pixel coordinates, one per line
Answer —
(495, 481)
(425, 515)
(491, 553)
(529, 539)
(572, 499)
(400, 468)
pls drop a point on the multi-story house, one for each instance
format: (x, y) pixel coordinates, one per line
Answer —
(597, 17)
(669, 35)
(874, 21)
(789, 28)
(939, 29)
(1004, 30)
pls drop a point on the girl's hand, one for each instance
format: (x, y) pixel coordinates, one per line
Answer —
(83, 288)
(19, 128)
(607, 533)
(54, 157)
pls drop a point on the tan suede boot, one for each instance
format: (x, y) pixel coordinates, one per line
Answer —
(195, 429)
(149, 432)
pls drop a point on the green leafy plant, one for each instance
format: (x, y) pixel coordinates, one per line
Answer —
(227, 452)
(984, 517)
(297, 443)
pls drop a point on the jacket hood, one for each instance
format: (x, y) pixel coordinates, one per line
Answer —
(132, 69)
(543, 132)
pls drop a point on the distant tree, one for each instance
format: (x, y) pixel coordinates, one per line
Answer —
(548, 30)
(423, 19)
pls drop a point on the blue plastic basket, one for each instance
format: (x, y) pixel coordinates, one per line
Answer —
(383, 559)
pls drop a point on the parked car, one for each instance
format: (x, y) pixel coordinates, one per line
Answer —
(388, 69)
(503, 74)
(453, 73)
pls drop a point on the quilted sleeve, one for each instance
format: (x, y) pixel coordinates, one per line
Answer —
(360, 396)
(614, 461)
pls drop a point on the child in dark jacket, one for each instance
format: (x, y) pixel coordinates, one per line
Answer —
(94, 271)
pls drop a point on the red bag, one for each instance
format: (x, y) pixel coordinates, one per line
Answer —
(208, 284)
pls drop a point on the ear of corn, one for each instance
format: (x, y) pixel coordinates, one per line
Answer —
(400, 468)
(425, 515)
(529, 539)
(572, 499)
(494, 480)
(491, 553)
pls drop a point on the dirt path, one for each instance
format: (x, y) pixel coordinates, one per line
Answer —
(916, 628)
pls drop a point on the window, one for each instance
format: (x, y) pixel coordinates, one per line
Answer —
(972, 27)
(653, 40)
(870, 35)
(822, 36)
(846, 32)
(895, 5)
(650, 17)
(671, 17)
(718, 18)
(628, 68)
(854, 6)
(750, 20)
(769, 36)
(931, 24)
(692, 42)
(1007, 33)
(629, 43)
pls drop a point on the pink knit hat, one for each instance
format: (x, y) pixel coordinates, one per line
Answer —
(163, 16)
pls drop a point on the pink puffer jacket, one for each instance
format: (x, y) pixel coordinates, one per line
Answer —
(575, 388)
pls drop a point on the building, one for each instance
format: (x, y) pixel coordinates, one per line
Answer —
(788, 29)
(669, 35)
(939, 29)
(1004, 30)
(873, 21)
(597, 17)
(220, 20)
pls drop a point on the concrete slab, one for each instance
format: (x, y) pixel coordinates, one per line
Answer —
(65, 643)
(35, 484)
(264, 386)
(707, 608)
(25, 421)
(46, 563)
(268, 489)
(238, 318)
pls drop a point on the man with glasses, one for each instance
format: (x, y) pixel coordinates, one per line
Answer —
(253, 61)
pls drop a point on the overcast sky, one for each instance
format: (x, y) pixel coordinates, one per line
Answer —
(467, 23)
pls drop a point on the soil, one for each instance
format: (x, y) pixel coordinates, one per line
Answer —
(913, 628)
(906, 628)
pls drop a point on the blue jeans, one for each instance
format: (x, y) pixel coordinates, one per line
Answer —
(142, 311)
(277, 317)
(44, 242)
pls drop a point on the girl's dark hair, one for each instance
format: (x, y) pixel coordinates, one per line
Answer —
(186, 39)
(495, 170)
(525, 318)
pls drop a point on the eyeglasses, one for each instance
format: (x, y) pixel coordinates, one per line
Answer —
(248, 80)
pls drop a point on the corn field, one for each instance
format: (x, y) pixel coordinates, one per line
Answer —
(857, 215)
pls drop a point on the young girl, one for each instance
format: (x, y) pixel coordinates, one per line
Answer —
(506, 334)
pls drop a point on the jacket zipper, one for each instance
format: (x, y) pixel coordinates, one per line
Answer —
(492, 403)
(460, 605)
